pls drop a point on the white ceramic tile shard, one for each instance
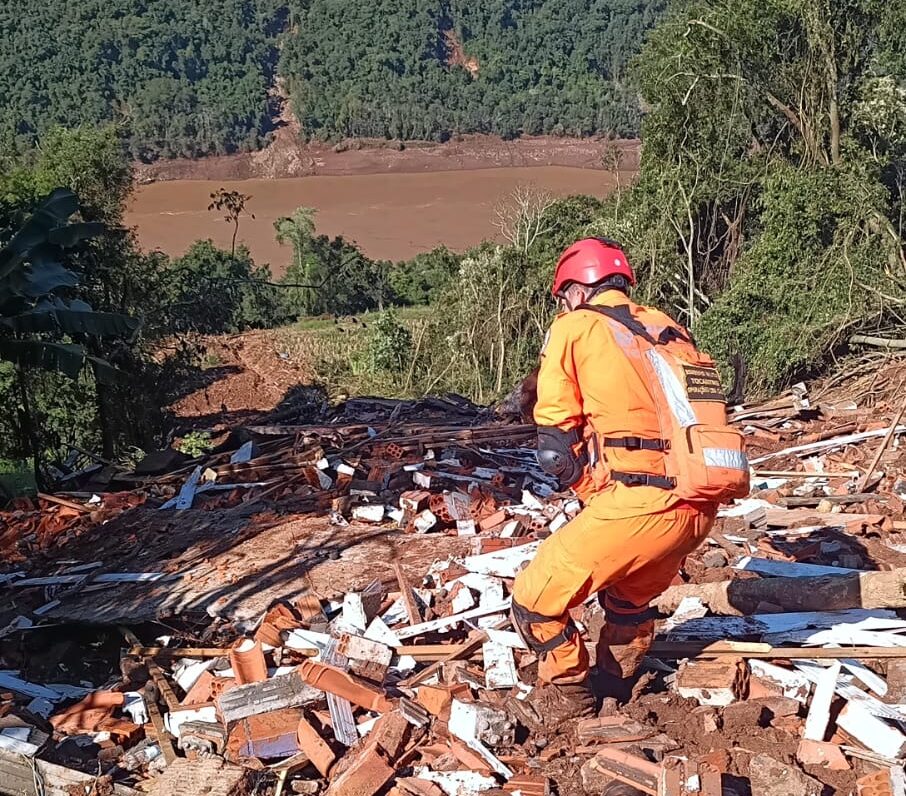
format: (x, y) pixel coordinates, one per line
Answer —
(499, 665)
(501, 563)
(457, 783)
(447, 622)
(819, 710)
(791, 684)
(872, 681)
(872, 732)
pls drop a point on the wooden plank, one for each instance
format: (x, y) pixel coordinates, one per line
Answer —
(475, 643)
(664, 649)
(885, 443)
(838, 442)
(163, 738)
(163, 685)
(415, 616)
(716, 628)
(421, 652)
(63, 502)
(446, 622)
(803, 474)
(18, 778)
(810, 502)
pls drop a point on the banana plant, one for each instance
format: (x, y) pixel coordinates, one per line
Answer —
(38, 327)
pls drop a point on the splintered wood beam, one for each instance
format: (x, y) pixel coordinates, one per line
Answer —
(421, 652)
(746, 649)
(869, 473)
(412, 611)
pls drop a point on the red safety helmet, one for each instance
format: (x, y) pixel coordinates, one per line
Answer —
(590, 260)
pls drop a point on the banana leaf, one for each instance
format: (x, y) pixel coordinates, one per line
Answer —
(53, 213)
(72, 321)
(65, 358)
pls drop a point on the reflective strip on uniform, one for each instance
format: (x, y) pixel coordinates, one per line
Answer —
(724, 457)
(624, 338)
(673, 390)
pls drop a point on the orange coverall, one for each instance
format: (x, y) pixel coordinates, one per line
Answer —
(629, 542)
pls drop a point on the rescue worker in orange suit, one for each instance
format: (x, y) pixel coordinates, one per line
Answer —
(599, 432)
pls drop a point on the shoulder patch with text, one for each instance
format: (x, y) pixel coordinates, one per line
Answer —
(703, 384)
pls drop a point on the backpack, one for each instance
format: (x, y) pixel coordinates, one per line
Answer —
(704, 457)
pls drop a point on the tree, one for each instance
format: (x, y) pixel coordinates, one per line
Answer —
(232, 205)
(522, 219)
(298, 230)
(768, 210)
(39, 328)
(179, 80)
(212, 291)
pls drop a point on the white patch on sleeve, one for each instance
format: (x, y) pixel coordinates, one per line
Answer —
(547, 339)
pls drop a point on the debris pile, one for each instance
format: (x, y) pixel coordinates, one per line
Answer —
(323, 609)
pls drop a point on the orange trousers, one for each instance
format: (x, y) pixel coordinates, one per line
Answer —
(632, 560)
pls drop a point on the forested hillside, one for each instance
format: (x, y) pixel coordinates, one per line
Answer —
(429, 69)
(182, 77)
(190, 78)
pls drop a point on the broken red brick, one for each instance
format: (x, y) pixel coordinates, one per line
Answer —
(529, 785)
(309, 608)
(390, 734)
(95, 714)
(713, 682)
(210, 776)
(277, 621)
(614, 765)
(877, 784)
(366, 775)
(468, 758)
(207, 688)
(335, 681)
(818, 753)
(415, 500)
(436, 699)
(492, 521)
(314, 747)
(492, 544)
(265, 736)
(718, 759)
(791, 724)
(412, 786)
(612, 729)
(452, 572)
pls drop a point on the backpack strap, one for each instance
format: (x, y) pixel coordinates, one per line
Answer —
(623, 315)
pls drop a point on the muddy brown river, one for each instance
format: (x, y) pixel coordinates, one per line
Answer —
(390, 216)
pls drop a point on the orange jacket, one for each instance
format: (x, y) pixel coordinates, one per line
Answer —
(587, 381)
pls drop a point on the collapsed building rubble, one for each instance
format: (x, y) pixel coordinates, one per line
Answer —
(323, 608)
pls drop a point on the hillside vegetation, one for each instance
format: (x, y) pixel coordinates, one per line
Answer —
(431, 69)
(190, 78)
(181, 77)
(768, 216)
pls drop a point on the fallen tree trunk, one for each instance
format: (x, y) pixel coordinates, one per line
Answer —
(880, 342)
(825, 593)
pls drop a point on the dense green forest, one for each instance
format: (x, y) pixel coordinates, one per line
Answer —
(190, 78)
(398, 69)
(181, 78)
